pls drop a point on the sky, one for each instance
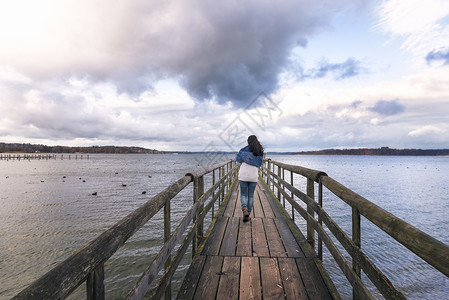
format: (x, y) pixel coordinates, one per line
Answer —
(203, 75)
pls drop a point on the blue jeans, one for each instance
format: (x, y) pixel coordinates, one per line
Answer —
(247, 194)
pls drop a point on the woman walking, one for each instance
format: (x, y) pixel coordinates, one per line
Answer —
(251, 158)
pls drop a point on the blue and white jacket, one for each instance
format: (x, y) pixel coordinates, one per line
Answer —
(250, 165)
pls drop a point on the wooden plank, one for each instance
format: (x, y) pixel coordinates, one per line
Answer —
(250, 279)
(213, 243)
(274, 240)
(208, 282)
(238, 206)
(257, 207)
(191, 280)
(229, 212)
(291, 246)
(268, 211)
(271, 279)
(299, 237)
(275, 207)
(228, 287)
(225, 202)
(260, 246)
(244, 240)
(230, 238)
(314, 284)
(291, 279)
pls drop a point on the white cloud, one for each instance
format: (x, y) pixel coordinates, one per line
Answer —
(375, 121)
(402, 17)
(419, 23)
(76, 109)
(426, 130)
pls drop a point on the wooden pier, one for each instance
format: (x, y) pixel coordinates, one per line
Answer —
(260, 259)
(265, 258)
(42, 156)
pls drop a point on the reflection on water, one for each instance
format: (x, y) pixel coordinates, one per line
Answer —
(48, 212)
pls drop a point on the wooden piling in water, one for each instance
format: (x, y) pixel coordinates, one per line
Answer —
(29, 157)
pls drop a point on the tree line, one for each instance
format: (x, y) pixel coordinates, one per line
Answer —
(37, 148)
(377, 151)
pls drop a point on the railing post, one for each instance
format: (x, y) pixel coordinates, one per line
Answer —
(310, 231)
(320, 219)
(283, 187)
(270, 165)
(279, 184)
(261, 170)
(95, 284)
(222, 191)
(264, 165)
(268, 172)
(167, 233)
(200, 192)
(213, 194)
(356, 238)
(195, 197)
(227, 172)
(229, 164)
(293, 199)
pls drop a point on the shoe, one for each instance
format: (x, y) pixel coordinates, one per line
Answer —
(245, 212)
(246, 218)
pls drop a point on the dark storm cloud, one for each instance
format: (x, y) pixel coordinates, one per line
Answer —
(438, 56)
(226, 50)
(388, 108)
(236, 51)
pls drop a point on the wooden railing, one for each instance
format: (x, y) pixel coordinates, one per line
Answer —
(87, 264)
(428, 248)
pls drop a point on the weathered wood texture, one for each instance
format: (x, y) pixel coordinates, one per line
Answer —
(87, 263)
(64, 278)
(428, 248)
(425, 246)
(260, 259)
(375, 275)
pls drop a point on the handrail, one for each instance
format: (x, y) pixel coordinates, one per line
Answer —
(205, 170)
(146, 279)
(87, 264)
(374, 274)
(306, 172)
(425, 246)
(428, 248)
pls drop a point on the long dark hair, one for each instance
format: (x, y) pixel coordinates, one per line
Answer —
(255, 146)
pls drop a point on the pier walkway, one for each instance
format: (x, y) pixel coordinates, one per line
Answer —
(265, 258)
(260, 259)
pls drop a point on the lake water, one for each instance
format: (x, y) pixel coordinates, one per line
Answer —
(47, 212)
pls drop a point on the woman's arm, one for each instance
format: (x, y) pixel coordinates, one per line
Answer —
(250, 159)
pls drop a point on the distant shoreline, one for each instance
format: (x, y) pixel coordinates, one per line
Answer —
(33, 148)
(383, 151)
